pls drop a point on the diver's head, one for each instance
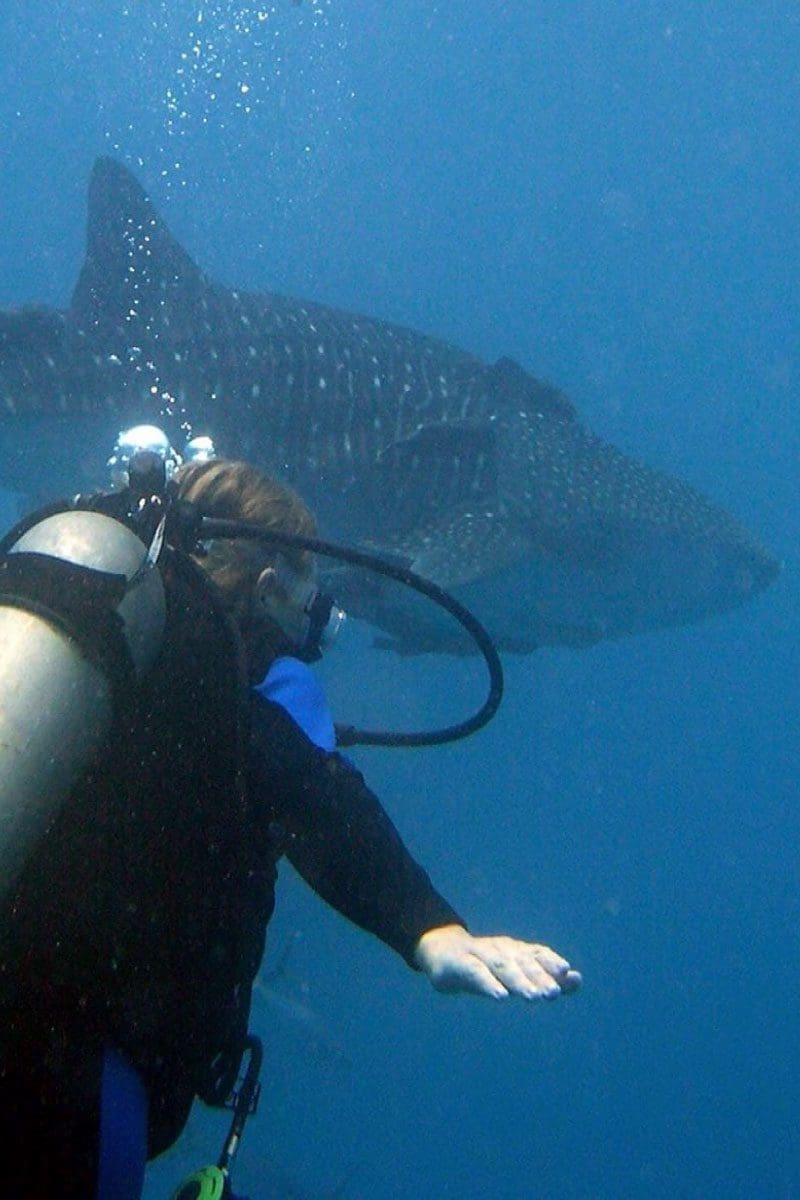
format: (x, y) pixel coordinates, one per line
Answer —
(308, 617)
(271, 593)
(133, 444)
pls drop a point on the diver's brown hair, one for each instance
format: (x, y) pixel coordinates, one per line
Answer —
(237, 491)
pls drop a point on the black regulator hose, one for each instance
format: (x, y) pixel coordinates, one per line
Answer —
(208, 528)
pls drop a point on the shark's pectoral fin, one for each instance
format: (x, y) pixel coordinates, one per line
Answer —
(452, 549)
(465, 544)
(438, 469)
(463, 549)
(473, 546)
(468, 544)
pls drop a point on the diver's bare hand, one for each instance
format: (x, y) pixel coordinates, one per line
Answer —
(498, 966)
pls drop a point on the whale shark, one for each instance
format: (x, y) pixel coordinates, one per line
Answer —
(477, 475)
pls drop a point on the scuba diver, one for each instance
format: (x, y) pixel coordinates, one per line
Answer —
(166, 745)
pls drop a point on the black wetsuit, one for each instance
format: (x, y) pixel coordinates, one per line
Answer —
(140, 923)
(335, 832)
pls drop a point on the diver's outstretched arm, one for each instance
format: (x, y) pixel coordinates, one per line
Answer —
(456, 961)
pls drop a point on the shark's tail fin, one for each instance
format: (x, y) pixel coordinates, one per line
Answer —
(135, 273)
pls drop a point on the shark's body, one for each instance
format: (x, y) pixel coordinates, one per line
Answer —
(480, 476)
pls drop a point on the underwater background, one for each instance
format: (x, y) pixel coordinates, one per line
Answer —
(607, 192)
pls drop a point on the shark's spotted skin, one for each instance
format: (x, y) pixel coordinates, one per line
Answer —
(478, 475)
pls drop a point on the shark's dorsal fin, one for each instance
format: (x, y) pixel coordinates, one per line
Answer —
(511, 383)
(135, 272)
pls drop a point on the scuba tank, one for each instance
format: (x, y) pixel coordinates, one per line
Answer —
(82, 614)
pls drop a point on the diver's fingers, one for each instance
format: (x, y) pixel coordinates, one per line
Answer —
(498, 966)
(445, 955)
(527, 969)
(466, 973)
(518, 967)
(552, 962)
(556, 966)
(570, 982)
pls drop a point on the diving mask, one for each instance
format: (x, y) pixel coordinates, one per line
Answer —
(322, 619)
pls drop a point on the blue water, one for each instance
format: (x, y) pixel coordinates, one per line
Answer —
(607, 192)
